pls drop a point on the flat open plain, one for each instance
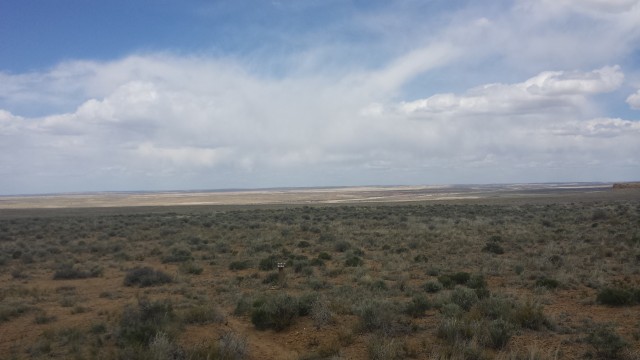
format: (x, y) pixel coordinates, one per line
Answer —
(310, 196)
(535, 271)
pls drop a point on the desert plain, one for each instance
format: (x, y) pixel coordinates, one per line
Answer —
(520, 271)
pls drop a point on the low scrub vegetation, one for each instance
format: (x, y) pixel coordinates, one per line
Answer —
(146, 276)
(506, 280)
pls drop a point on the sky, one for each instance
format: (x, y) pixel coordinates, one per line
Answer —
(130, 95)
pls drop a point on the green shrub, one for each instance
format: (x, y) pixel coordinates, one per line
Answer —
(606, 342)
(460, 278)
(305, 303)
(320, 312)
(450, 310)
(271, 278)
(432, 286)
(529, 315)
(243, 306)
(324, 256)
(146, 276)
(230, 347)
(140, 324)
(383, 348)
(378, 285)
(178, 254)
(495, 308)
(418, 306)
(500, 331)
(316, 262)
(618, 296)
(239, 265)
(203, 314)
(268, 263)
(67, 271)
(446, 281)
(547, 283)
(454, 330)
(354, 261)
(342, 246)
(477, 281)
(380, 316)
(190, 267)
(464, 297)
(494, 248)
(277, 312)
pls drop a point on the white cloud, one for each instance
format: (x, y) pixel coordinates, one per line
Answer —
(551, 91)
(634, 100)
(341, 114)
(184, 156)
(593, 7)
(191, 124)
(603, 127)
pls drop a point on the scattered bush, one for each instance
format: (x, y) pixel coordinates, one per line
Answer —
(606, 342)
(618, 296)
(239, 265)
(178, 254)
(433, 286)
(268, 263)
(530, 316)
(353, 261)
(383, 348)
(547, 283)
(203, 314)
(190, 267)
(494, 248)
(500, 331)
(418, 306)
(140, 324)
(231, 347)
(271, 278)
(460, 278)
(342, 246)
(380, 316)
(146, 276)
(446, 281)
(277, 312)
(464, 297)
(321, 313)
(68, 271)
(303, 244)
(454, 330)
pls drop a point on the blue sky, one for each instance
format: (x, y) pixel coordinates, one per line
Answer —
(164, 94)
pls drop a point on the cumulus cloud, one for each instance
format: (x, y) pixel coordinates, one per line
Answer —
(549, 91)
(594, 7)
(603, 127)
(473, 100)
(634, 100)
(199, 123)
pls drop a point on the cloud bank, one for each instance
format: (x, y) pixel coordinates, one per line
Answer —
(166, 121)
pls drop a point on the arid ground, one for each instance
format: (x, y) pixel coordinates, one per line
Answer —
(464, 272)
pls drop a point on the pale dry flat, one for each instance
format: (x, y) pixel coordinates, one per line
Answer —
(346, 195)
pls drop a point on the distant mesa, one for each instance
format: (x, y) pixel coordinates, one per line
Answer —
(626, 185)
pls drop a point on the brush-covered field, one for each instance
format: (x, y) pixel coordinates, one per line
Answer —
(506, 280)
